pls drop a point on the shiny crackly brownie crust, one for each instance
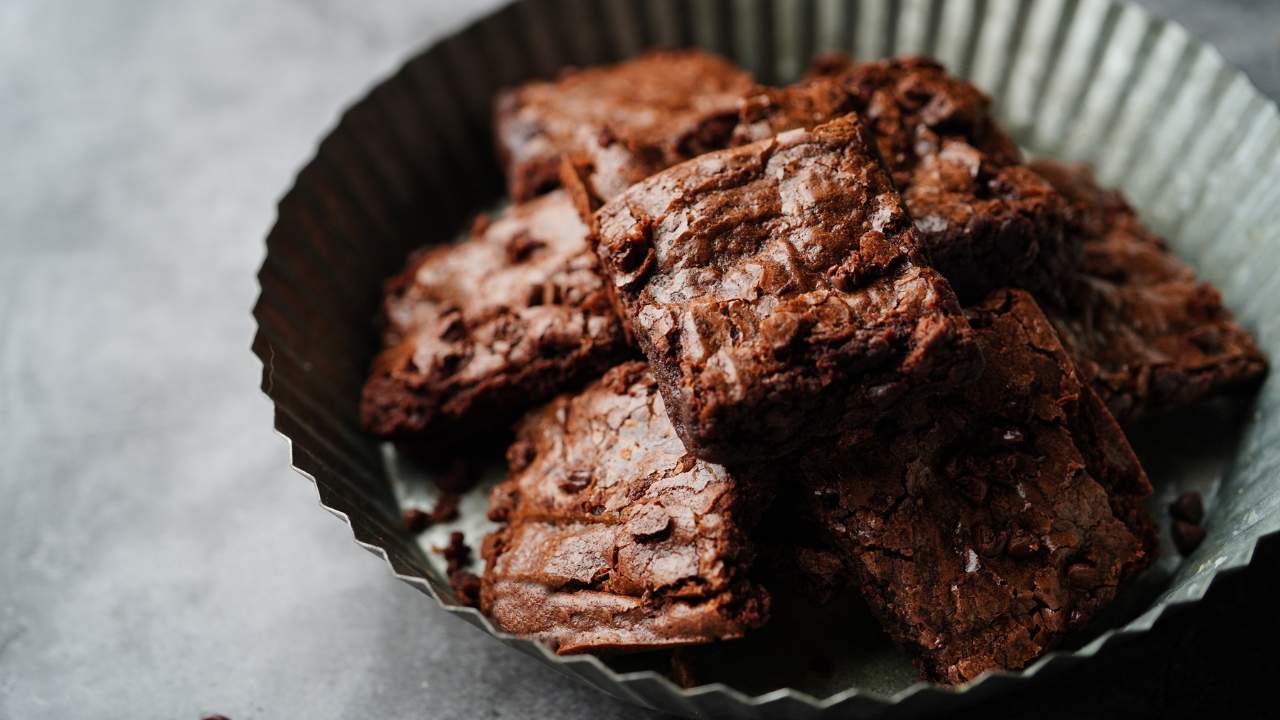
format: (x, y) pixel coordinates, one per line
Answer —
(984, 218)
(477, 332)
(1143, 330)
(615, 537)
(984, 525)
(775, 290)
(616, 124)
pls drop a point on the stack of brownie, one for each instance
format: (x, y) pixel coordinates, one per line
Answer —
(850, 298)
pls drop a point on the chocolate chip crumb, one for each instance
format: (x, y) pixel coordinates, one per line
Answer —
(466, 585)
(457, 554)
(416, 520)
(446, 509)
(1189, 507)
(1187, 536)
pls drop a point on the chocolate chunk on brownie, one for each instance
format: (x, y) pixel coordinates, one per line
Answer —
(617, 124)
(775, 290)
(985, 219)
(1143, 330)
(479, 331)
(615, 537)
(986, 524)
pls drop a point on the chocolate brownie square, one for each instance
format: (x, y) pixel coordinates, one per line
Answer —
(775, 290)
(617, 124)
(479, 331)
(986, 524)
(984, 218)
(615, 537)
(1144, 331)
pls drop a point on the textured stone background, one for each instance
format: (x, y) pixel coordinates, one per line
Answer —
(158, 559)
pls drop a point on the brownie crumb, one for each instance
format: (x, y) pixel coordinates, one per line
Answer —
(466, 585)
(1189, 507)
(1187, 536)
(457, 554)
(446, 509)
(416, 520)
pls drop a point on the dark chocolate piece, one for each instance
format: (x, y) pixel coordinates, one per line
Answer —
(480, 331)
(1187, 536)
(985, 220)
(1188, 507)
(615, 537)
(986, 524)
(457, 554)
(466, 586)
(618, 124)
(457, 557)
(416, 520)
(775, 290)
(1148, 335)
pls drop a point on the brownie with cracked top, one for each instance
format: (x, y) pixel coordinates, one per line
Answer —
(615, 537)
(776, 290)
(1148, 335)
(617, 124)
(986, 524)
(479, 331)
(984, 218)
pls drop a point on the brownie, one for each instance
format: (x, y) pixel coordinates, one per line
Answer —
(614, 536)
(985, 524)
(617, 124)
(1144, 331)
(775, 289)
(985, 219)
(479, 331)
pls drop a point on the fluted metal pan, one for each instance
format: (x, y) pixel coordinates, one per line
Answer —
(1192, 142)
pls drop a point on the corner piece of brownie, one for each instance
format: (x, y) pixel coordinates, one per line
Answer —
(617, 124)
(616, 538)
(1148, 335)
(479, 331)
(986, 524)
(774, 289)
(984, 218)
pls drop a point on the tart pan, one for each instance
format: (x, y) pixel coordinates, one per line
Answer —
(1192, 142)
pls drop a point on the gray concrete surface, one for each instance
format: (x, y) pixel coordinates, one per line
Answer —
(158, 559)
